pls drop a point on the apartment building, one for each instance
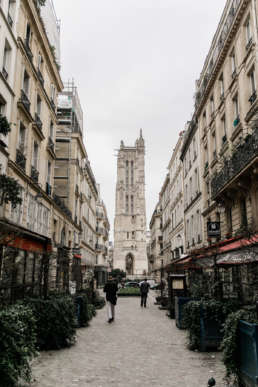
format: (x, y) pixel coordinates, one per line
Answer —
(226, 110)
(8, 50)
(190, 157)
(164, 200)
(156, 242)
(102, 229)
(176, 234)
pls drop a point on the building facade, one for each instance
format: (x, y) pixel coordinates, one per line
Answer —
(164, 199)
(156, 242)
(130, 216)
(176, 235)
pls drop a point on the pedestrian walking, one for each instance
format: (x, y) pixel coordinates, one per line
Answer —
(144, 289)
(111, 289)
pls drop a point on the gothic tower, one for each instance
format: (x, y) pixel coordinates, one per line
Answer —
(130, 217)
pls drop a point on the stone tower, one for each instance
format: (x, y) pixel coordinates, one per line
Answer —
(130, 218)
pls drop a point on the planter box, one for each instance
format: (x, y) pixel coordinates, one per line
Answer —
(248, 352)
(179, 305)
(210, 334)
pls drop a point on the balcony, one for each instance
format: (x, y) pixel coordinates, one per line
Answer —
(28, 50)
(10, 20)
(224, 139)
(100, 248)
(99, 215)
(20, 159)
(244, 155)
(253, 97)
(34, 174)
(24, 102)
(48, 189)
(37, 124)
(4, 73)
(38, 121)
(40, 76)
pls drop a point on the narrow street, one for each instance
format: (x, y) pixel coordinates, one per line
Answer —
(141, 348)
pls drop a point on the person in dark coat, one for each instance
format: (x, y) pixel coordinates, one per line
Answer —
(111, 289)
(144, 289)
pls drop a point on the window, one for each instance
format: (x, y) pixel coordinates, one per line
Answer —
(35, 155)
(243, 213)
(233, 62)
(132, 204)
(28, 35)
(224, 129)
(127, 204)
(51, 130)
(11, 12)
(132, 173)
(38, 111)
(133, 234)
(2, 107)
(212, 105)
(49, 172)
(40, 62)
(229, 220)
(127, 173)
(196, 178)
(214, 145)
(6, 59)
(252, 82)
(26, 82)
(127, 235)
(204, 118)
(22, 134)
(221, 82)
(236, 107)
(53, 92)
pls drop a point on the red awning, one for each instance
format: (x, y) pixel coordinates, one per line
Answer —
(77, 256)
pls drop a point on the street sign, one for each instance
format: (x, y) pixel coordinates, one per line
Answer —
(213, 229)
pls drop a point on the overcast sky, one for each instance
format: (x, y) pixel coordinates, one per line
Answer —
(135, 63)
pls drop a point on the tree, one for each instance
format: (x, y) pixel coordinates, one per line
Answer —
(10, 191)
(118, 274)
(4, 125)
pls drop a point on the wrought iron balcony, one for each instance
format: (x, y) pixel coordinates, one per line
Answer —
(20, 159)
(60, 203)
(24, 100)
(48, 189)
(34, 174)
(41, 79)
(245, 152)
(27, 49)
(51, 144)
(5, 73)
(253, 97)
(38, 121)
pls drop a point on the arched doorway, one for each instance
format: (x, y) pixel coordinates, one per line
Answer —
(129, 264)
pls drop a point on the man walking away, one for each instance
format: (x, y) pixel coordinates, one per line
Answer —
(110, 289)
(144, 288)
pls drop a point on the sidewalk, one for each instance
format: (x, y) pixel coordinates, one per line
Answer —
(141, 348)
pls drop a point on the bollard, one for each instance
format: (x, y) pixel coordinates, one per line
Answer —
(211, 382)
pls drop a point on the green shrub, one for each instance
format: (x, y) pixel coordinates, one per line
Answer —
(129, 292)
(208, 309)
(91, 311)
(229, 343)
(55, 321)
(82, 303)
(17, 344)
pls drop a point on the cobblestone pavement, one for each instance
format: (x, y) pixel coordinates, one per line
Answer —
(141, 348)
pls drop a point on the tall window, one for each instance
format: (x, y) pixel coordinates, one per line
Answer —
(224, 129)
(22, 134)
(132, 204)
(252, 82)
(127, 204)
(212, 104)
(53, 92)
(35, 154)
(49, 172)
(51, 130)
(132, 173)
(38, 105)
(127, 173)
(221, 82)
(243, 212)
(28, 35)
(26, 83)
(204, 119)
(40, 62)
(233, 62)
(236, 106)
(6, 59)
(214, 145)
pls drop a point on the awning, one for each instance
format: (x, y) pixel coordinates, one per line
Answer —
(243, 256)
(77, 256)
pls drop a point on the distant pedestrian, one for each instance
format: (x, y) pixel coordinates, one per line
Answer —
(144, 289)
(111, 289)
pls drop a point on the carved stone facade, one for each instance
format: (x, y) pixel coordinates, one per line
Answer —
(130, 218)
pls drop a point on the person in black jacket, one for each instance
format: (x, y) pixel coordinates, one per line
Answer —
(111, 289)
(144, 289)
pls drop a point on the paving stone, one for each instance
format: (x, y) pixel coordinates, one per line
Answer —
(142, 347)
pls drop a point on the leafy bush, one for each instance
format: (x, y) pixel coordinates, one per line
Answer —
(91, 311)
(84, 308)
(17, 344)
(127, 291)
(208, 309)
(55, 321)
(229, 343)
